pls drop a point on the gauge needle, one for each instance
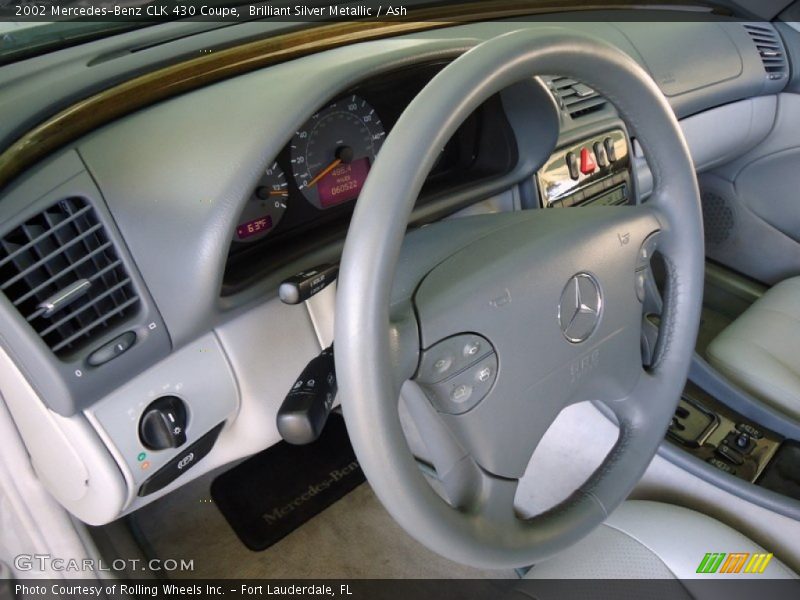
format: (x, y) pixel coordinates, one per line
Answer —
(324, 172)
(279, 193)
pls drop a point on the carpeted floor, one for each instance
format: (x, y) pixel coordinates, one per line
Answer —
(354, 538)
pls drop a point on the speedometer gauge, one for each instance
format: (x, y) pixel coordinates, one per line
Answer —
(332, 152)
(265, 208)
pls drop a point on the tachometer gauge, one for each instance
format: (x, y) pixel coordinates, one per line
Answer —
(265, 207)
(332, 152)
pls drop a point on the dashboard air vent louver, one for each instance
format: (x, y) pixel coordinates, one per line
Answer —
(62, 273)
(769, 49)
(576, 98)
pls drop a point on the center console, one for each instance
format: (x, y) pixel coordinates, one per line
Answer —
(595, 170)
(735, 445)
(717, 435)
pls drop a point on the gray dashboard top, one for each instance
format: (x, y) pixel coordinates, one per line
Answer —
(176, 175)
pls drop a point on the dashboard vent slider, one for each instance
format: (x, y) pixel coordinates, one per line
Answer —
(61, 271)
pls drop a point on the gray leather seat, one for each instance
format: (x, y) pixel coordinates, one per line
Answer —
(652, 540)
(760, 351)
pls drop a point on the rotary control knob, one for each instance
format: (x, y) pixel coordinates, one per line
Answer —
(163, 424)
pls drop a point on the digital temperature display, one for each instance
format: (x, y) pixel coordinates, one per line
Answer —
(254, 227)
(343, 183)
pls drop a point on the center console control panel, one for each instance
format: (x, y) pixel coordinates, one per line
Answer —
(596, 170)
(724, 440)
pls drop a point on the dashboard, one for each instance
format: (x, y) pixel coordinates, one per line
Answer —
(207, 200)
(305, 196)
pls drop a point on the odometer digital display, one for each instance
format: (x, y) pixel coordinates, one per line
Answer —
(343, 183)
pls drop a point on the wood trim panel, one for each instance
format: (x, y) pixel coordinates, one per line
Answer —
(144, 90)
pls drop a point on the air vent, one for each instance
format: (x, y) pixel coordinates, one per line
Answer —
(62, 273)
(576, 98)
(769, 48)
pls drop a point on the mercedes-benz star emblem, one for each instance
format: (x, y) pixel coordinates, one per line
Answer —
(580, 307)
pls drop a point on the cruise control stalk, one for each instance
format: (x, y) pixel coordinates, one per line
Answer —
(305, 284)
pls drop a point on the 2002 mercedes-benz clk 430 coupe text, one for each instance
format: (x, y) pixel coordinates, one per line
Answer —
(496, 290)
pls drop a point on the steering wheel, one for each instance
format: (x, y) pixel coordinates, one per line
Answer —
(492, 325)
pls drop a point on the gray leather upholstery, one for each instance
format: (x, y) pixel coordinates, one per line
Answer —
(760, 351)
(652, 540)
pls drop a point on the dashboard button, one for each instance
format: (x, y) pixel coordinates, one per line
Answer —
(112, 349)
(588, 164)
(611, 151)
(182, 462)
(163, 424)
(572, 165)
(600, 153)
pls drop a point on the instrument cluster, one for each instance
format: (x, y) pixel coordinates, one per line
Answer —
(329, 159)
(306, 195)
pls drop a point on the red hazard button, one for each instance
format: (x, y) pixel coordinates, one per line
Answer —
(588, 165)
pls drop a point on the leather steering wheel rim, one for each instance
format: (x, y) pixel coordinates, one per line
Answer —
(484, 532)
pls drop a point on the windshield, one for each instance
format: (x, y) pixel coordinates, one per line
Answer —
(20, 40)
(30, 27)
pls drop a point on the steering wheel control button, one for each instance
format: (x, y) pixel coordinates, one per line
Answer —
(640, 286)
(472, 349)
(588, 165)
(573, 166)
(181, 463)
(451, 356)
(461, 393)
(442, 366)
(646, 251)
(163, 424)
(466, 387)
(112, 349)
(580, 307)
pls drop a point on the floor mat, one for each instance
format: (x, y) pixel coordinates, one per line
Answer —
(273, 493)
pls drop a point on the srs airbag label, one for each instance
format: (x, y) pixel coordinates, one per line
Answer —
(583, 366)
